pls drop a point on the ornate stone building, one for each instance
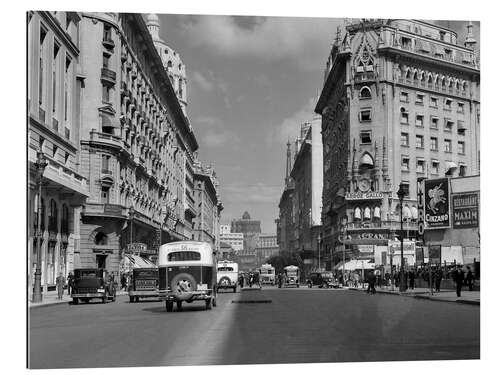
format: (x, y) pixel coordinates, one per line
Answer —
(400, 101)
(54, 89)
(250, 229)
(267, 246)
(285, 224)
(135, 139)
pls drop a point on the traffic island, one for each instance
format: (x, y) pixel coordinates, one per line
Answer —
(251, 295)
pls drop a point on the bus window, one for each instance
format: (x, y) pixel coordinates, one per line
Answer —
(183, 256)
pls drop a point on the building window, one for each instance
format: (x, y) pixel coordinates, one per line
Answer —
(405, 141)
(105, 194)
(105, 60)
(107, 33)
(434, 122)
(419, 120)
(65, 219)
(366, 137)
(365, 115)
(406, 187)
(460, 127)
(101, 239)
(419, 99)
(357, 213)
(405, 163)
(54, 79)
(404, 116)
(462, 170)
(106, 90)
(447, 104)
(461, 147)
(419, 141)
(449, 125)
(447, 145)
(41, 66)
(403, 97)
(105, 164)
(434, 144)
(460, 107)
(420, 166)
(53, 216)
(367, 213)
(434, 102)
(67, 87)
(435, 167)
(365, 93)
(54, 151)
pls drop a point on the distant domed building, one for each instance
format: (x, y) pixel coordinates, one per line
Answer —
(250, 229)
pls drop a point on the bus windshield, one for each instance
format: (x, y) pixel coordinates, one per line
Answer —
(183, 256)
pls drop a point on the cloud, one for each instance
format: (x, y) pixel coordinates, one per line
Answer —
(202, 82)
(305, 41)
(218, 138)
(252, 194)
(290, 127)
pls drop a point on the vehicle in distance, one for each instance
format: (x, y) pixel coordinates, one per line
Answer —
(227, 275)
(267, 274)
(292, 276)
(322, 280)
(187, 272)
(90, 283)
(144, 283)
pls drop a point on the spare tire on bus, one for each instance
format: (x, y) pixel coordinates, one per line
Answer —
(183, 285)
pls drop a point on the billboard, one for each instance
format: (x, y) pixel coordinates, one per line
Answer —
(435, 254)
(465, 210)
(437, 203)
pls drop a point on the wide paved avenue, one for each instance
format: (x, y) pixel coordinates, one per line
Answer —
(299, 325)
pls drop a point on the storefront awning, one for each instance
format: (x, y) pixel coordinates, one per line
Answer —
(449, 165)
(130, 261)
(355, 264)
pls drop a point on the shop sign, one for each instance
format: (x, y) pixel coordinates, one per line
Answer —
(420, 208)
(363, 196)
(408, 247)
(465, 210)
(366, 249)
(364, 235)
(137, 247)
(437, 203)
(435, 254)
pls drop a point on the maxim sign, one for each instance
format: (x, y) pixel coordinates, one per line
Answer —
(437, 203)
(465, 210)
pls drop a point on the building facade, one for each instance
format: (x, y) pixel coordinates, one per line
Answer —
(267, 246)
(250, 229)
(54, 89)
(285, 224)
(233, 239)
(207, 221)
(134, 141)
(400, 101)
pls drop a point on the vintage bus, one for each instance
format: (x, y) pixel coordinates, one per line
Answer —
(187, 273)
(227, 275)
(267, 274)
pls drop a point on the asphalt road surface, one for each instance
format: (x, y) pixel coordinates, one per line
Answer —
(299, 325)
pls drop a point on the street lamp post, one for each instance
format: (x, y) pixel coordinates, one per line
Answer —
(319, 251)
(401, 194)
(131, 212)
(40, 165)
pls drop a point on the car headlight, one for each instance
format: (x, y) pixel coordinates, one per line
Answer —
(100, 290)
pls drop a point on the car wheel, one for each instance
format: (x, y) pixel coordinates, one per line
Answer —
(169, 306)
(75, 301)
(183, 286)
(179, 305)
(234, 290)
(132, 299)
(208, 304)
(114, 296)
(86, 300)
(105, 298)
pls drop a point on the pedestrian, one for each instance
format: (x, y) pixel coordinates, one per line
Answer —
(71, 280)
(458, 278)
(470, 279)
(371, 283)
(438, 276)
(123, 281)
(356, 279)
(257, 279)
(387, 279)
(60, 286)
(411, 277)
(280, 280)
(396, 279)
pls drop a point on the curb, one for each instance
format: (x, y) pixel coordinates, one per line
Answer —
(426, 297)
(69, 302)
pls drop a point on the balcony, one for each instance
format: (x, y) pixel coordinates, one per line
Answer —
(108, 43)
(394, 224)
(105, 138)
(105, 210)
(109, 76)
(106, 172)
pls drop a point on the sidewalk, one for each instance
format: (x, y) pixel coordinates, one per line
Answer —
(50, 298)
(472, 298)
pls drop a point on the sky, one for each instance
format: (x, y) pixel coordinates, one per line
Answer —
(251, 82)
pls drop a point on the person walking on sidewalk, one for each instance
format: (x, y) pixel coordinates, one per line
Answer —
(458, 277)
(60, 281)
(438, 276)
(470, 279)
(371, 279)
(71, 281)
(411, 276)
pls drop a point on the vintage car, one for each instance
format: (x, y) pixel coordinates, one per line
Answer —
(92, 283)
(187, 273)
(322, 280)
(227, 275)
(143, 284)
(292, 276)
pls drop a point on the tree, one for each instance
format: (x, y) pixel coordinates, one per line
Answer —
(280, 261)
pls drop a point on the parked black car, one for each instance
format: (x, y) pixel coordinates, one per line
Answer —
(93, 283)
(322, 280)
